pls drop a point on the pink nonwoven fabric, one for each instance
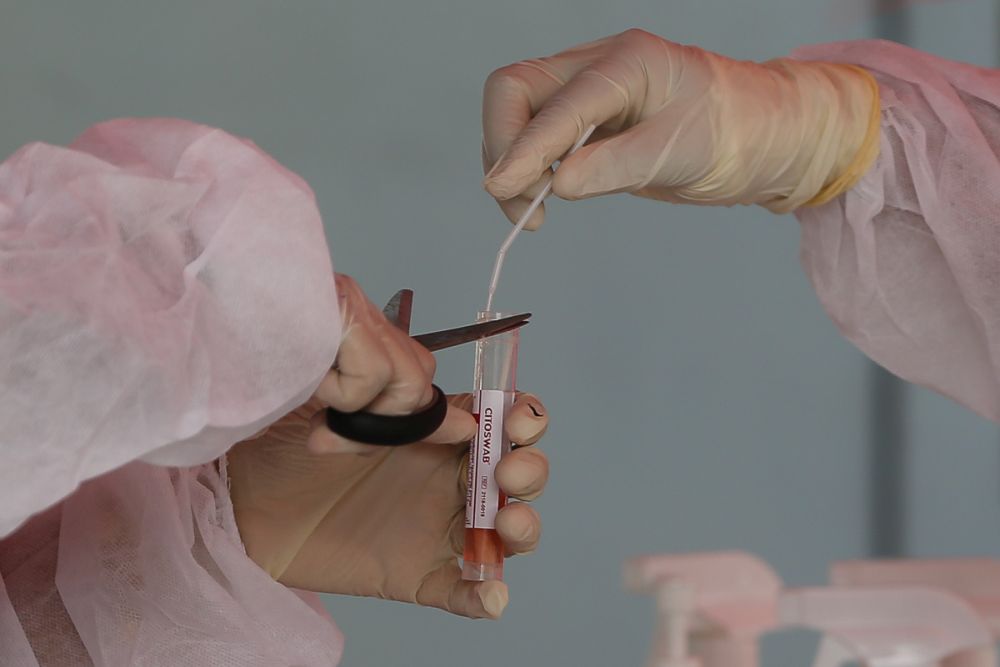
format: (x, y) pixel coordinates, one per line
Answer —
(165, 292)
(144, 567)
(907, 263)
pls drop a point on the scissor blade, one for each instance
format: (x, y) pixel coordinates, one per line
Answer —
(440, 340)
(399, 309)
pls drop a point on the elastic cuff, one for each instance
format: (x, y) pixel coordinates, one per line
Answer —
(866, 154)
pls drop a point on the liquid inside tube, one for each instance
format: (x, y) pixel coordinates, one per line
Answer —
(494, 387)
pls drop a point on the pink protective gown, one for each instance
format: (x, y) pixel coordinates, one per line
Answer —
(165, 291)
(908, 262)
(181, 276)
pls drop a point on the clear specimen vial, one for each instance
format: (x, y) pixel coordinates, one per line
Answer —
(494, 385)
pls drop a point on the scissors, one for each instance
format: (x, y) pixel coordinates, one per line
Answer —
(391, 431)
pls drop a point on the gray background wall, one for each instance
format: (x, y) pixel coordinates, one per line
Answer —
(700, 398)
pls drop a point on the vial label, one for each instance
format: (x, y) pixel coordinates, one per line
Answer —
(483, 498)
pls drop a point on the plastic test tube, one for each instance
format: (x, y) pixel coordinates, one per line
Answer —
(494, 386)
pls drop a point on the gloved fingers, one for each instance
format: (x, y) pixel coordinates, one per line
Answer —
(409, 386)
(321, 440)
(445, 589)
(527, 420)
(512, 95)
(463, 401)
(515, 208)
(362, 367)
(520, 528)
(523, 473)
(594, 96)
(525, 424)
(426, 358)
(459, 428)
(378, 367)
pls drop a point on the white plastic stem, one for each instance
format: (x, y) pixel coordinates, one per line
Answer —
(536, 202)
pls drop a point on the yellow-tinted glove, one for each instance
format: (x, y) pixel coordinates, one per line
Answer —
(679, 124)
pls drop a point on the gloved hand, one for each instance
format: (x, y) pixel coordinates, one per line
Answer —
(387, 522)
(679, 124)
(378, 367)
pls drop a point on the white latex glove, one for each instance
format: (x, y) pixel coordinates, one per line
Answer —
(378, 367)
(322, 513)
(677, 123)
(389, 522)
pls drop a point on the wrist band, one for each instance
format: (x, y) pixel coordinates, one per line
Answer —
(866, 154)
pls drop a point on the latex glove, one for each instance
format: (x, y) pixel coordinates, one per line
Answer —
(378, 367)
(385, 523)
(679, 124)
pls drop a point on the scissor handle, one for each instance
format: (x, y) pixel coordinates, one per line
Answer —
(386, 430)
